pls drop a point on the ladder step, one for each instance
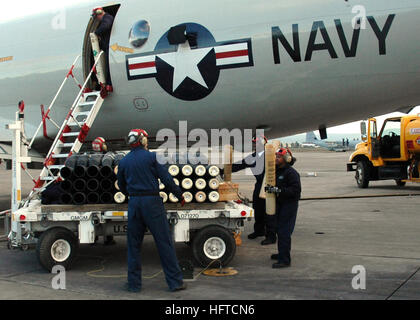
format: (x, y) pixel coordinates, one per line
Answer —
(92, 94)
(55, 167)
(49, 178)
(71, 134)
(84, 113)
(66, 145)
(87, 104)
(60, 156)
(76, 124)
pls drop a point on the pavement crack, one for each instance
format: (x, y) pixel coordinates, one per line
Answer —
(66, 290)
(7, 276)
(403, 284)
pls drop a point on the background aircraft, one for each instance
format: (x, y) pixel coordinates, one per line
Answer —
(344, 143)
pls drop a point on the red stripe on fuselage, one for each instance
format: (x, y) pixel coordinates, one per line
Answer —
(142, 65)
(231, 54)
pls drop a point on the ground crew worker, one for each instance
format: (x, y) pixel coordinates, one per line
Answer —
(288, 190)
(138, 175)
(264, 225)
(104, 34)
(99, 145)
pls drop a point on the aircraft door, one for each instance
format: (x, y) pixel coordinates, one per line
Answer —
(91, 50)
(373, 139)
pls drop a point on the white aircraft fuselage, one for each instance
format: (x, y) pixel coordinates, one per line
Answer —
(288, 66)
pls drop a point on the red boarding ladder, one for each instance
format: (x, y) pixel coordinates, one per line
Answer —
(74, 130)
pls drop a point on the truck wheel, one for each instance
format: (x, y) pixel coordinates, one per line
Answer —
(362, 174)
(400, 183)
(57, 246)
(213, 243)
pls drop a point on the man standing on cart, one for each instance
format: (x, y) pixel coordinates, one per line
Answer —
(138, 175)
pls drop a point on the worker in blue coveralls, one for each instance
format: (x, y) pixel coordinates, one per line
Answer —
(264, 225)
(104, 34)
(138, 175)
(287, 190)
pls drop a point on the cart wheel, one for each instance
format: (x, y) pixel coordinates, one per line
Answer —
(57, 246)
(213, 243)
(24, 247)
(362, 174)
(400, 183)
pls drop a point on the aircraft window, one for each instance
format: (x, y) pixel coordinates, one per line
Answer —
(139, 33)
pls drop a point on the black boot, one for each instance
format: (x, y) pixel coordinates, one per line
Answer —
(182, 287)
(279, 265)
(128, 288)
(109, 241)
(255, 235)
(268, 241)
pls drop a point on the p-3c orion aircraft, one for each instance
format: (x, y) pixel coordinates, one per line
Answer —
(286, 66)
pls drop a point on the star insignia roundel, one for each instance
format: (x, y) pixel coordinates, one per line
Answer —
(190, 71)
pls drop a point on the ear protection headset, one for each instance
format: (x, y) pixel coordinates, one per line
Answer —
(286, 153)
(99, 145)
(137, 137)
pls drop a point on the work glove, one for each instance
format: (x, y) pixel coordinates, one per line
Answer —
(222, 172)
(271, 189)
(182, 201)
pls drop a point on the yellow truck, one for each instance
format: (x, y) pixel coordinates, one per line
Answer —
(393, 154)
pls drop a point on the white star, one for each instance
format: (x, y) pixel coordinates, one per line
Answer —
(185, 62)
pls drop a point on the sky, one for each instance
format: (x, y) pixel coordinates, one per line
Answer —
(21, 8)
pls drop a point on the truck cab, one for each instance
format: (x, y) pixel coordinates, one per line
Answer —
(393, 153)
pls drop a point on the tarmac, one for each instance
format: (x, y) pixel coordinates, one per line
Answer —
(332, 236)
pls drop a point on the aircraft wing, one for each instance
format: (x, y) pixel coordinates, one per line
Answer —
(6, 153)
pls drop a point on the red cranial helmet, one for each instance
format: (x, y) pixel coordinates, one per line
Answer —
(137, 137)
(97, 12)
(260, 138)
(99, 145)
(286, 153)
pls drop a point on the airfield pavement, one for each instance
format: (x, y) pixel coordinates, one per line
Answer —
(382, 234)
